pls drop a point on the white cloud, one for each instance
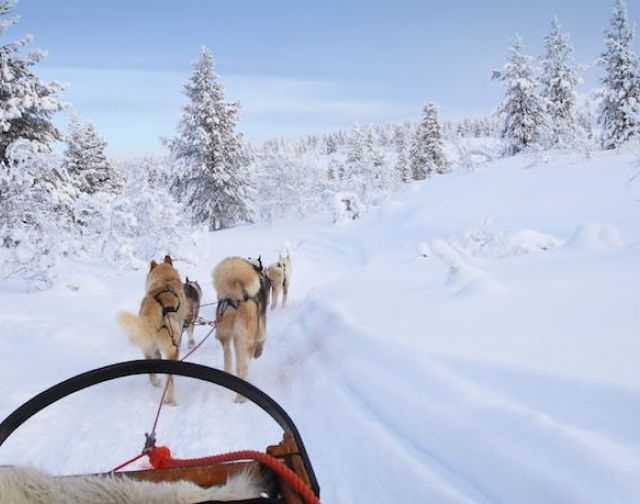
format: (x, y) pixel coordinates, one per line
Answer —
(132, 108)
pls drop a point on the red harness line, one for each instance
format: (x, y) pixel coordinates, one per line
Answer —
(166, 385)
(130, 461)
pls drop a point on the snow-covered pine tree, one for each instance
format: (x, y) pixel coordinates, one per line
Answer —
(586, 120)
(365, 165)
(331, 144)
(335, 174)
(211, 160)
(369, 138)
(524, 112)
(619, 116)
(384, 135)
(26, 103)
(378, 172)
(356, 146)
(427, 153)
(86, 161)
(558, 80)
(401, 142)
(381, 172)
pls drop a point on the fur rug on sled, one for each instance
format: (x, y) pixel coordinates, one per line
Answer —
(19, 485)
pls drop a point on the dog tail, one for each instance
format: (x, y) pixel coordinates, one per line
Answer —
(235, 278)
(139, 331)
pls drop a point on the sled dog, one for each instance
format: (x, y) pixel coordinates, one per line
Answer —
(279, 274)
(192, 295)
(158, 326)
(241, 316)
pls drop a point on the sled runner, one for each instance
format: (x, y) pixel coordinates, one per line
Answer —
(284, 468)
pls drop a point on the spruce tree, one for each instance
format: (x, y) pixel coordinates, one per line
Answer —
(26, 103)
(427, 154)
(524, 112)
(401, 142)
(367, 170)
(331, 144)
(558, 80)
(211, 159)
(620, 106)
(357, 141)
(86, 162)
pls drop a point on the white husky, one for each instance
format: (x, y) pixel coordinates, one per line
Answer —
(279, 274)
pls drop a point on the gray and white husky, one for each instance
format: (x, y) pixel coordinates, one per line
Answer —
(193, 295)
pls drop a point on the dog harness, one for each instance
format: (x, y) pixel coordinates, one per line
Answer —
(167, 309)
(223, 304)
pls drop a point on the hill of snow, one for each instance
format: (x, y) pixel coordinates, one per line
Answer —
(474, 339)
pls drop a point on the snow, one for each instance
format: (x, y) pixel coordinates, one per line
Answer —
(474, 339)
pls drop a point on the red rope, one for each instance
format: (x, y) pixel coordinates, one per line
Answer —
(199, 344)
(160, 458)
(130, 461)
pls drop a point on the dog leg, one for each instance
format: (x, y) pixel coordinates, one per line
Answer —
(285, 292)
(226, 350)
(169, 347)
(261, 337)
(170, 397)
(153, 378)
(274, 296)
(242, 365)
(192, 342)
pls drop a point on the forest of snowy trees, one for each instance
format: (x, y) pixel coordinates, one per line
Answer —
(85, 205)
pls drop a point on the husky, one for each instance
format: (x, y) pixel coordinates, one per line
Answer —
(157, 328)
(241, 316)
(279, 274)
(192, 295)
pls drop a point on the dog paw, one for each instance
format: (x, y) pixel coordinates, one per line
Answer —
(191, 344)
(170, 401)
(155, 381)
(257, 352)
(240, 399)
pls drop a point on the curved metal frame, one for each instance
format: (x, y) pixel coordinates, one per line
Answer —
(135, 367)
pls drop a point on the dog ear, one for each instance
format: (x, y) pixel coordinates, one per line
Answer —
(152, 265)
(260, 261)
(186, 279)
(168, 260)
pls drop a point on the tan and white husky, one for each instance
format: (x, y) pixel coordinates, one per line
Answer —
(158, 326)
(243, 294)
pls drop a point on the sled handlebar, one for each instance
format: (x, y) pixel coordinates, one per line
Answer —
(143, 366)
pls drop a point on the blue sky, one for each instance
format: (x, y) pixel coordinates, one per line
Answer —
(296, 67)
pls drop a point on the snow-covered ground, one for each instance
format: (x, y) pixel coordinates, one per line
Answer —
(475, 339)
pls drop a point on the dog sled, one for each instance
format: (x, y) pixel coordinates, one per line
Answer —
(284, 469)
